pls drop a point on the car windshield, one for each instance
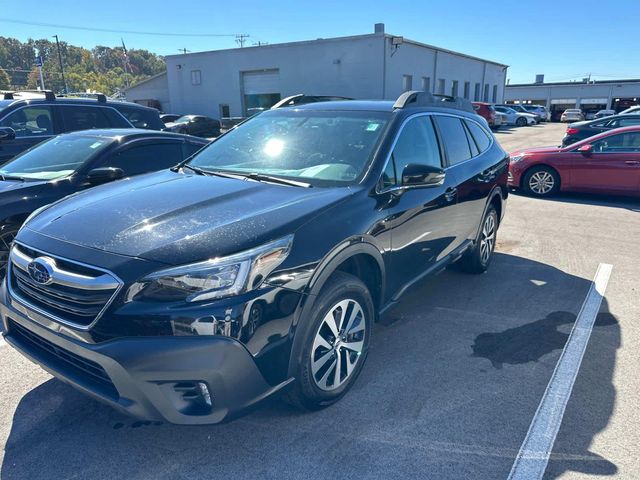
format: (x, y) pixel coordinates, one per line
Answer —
(184, 119)
(55, 158)
(323, 147)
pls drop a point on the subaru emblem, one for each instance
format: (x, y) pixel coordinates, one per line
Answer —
(41, 270)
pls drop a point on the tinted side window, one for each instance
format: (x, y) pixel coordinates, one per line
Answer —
(30, 121)
(149, 157)
(189, 149)
(84, 118)
(479, 135)
(627, 122)
(417, 143)
(454, 139)
(623, 143)
(142, 118)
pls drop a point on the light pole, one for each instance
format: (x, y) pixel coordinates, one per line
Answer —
(64, 81)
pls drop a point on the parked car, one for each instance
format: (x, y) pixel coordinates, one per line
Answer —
(521, 109)
(606, 163)
(540, 110)
(572, 115)
(488, 112)
(581, 130)
(517, 118)
(604, 113)
(501, 119)
(635, 110)
(169, 117)
(223, 281)
(31, 117)
(197, 125)
(72, 162)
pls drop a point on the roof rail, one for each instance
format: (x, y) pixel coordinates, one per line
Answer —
(416, 98)
(301, 99)
(100, 97)
(48, 94)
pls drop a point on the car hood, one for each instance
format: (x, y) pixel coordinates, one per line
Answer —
(22, 187)
(535, 150)
(178, 218)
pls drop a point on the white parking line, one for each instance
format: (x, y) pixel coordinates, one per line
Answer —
(533, 457)
(2, 342)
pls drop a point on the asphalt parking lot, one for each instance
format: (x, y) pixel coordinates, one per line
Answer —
(455, 376)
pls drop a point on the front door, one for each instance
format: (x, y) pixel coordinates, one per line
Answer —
(32, 125)
(612, 166)
(417, 217)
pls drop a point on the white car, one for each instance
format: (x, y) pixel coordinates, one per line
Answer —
(635, 110)
(572, 115)
(517, 118)
(500, 119)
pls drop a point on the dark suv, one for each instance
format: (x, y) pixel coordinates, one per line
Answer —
(29, 118)
(260, 264)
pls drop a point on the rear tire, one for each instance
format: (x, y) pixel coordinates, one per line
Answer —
(521, 122)
(541, 182)
(477, 260)
(335, 343)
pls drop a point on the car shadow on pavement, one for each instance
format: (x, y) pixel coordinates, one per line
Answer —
(448, 392)
(614, 201)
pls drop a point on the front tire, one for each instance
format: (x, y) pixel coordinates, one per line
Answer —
(521, 122)
(8, 233)
(477, 260)
(335, 343)
(541, 182)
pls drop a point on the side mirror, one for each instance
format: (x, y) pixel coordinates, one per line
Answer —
(7, 133)
(101, 175)
(586, 149)
(423, 175)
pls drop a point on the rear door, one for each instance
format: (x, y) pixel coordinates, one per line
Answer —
(613, 166)
(32, 124)
(87, 117)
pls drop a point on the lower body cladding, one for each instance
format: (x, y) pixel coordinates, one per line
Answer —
(179, 379)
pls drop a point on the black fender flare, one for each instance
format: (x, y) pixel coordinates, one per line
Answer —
(496, 192)
(324, 270)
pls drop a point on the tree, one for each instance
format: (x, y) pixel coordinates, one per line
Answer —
(5, 81)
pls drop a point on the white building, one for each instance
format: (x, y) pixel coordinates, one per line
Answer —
(223, 83)
(590, 96)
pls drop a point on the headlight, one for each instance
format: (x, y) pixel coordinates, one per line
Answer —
(215, 278)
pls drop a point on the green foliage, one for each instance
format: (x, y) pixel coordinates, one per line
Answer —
(5, 81)
(100, 69)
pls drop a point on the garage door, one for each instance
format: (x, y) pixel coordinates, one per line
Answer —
(261, 90)
(264, 81)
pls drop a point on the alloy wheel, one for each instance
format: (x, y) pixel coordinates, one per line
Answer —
(338, 344)
(541, 182)
(6, 240)
(488, 238)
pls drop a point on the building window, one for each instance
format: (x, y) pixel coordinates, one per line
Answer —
(495, 94)
(441, 86)
(426, 84)
(486, 92)
(467, 87)
(454, 88)
(196, 77)
(476, 93)
(407, 82)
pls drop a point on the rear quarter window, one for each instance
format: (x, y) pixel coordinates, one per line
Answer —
(480, 136)
(142, 117)
(454, 139)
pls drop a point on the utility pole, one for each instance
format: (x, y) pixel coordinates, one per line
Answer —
(64, 81)
(126, 64)
(241, 39)
(39, 63)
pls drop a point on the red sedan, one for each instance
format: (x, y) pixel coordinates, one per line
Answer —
(605, 163)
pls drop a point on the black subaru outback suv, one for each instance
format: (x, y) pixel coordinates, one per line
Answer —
(28, 118)
(260, 264)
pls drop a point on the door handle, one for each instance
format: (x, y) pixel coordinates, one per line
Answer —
(450, 194)
(632, 162)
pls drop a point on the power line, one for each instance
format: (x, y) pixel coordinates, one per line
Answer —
(108, 30)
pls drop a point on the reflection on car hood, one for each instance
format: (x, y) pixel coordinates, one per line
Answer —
(13, 185)
(181, 218)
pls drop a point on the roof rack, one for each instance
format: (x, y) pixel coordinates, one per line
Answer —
(417, 98)
(48, 94)
(100, 97)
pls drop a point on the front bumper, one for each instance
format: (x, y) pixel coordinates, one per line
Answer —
(154, 378)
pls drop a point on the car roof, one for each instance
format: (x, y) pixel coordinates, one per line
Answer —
(127, 133)
(72, 101)
(346, 105)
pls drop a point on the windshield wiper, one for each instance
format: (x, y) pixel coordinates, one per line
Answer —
(261, 177)
(10, 177)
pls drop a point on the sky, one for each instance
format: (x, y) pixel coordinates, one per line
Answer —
(565, 40)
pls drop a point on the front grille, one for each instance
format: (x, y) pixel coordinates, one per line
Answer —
(76, 294)
(81, 369)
